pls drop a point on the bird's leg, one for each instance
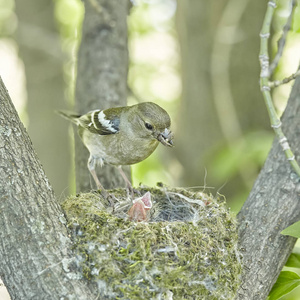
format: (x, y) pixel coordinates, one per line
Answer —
(99, 185)
(128, 183)
(91, 166)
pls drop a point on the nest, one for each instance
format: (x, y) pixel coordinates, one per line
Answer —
(186, 250)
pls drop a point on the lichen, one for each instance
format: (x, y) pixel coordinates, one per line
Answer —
(187, 250)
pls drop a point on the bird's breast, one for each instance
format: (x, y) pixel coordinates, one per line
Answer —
(118, 149)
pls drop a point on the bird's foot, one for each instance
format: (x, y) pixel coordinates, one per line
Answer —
(107, 196)
(131, 191)
(112, 200)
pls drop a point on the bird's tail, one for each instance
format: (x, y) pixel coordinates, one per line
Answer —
(73, 117)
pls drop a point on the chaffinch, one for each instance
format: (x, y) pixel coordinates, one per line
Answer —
(122, 135)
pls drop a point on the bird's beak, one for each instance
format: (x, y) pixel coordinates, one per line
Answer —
(165, 137)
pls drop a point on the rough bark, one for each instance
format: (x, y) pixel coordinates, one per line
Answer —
(273, 204)
(35, 256)
(101, 75)
(39, 47)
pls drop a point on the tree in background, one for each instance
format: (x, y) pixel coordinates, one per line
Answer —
(39, 47)
(101, 76)
(218, 119)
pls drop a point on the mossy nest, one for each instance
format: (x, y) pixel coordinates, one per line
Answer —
(187, 249)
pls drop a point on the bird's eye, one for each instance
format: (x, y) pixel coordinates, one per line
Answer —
(148, 126)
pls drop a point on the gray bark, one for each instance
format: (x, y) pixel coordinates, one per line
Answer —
(39, 46)
(273, 204)
(35, 257)
(101, 76)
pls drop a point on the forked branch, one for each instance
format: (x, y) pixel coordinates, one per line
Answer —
(265, 86)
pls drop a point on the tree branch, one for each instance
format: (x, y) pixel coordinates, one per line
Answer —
(273, 204)
(35, 257)
(282, 40)
(265, 88)
(277, 83)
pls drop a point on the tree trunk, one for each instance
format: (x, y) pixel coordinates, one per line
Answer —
(101, 76)
(39, 45)
(35, 256)
(273, 204)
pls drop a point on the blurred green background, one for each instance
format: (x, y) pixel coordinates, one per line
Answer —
(198, 59)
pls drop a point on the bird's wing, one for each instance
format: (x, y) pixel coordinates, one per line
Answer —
(101, 122)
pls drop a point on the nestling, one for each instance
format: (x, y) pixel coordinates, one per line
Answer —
(140, 207)
(122, 135)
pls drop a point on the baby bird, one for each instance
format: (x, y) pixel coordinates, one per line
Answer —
(122, 135)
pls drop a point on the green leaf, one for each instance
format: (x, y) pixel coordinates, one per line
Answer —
(293, 261)
(286, 282)
(293, 230)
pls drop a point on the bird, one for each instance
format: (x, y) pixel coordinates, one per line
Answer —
(140, 209)
(121, 136)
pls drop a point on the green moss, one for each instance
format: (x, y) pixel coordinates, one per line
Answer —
(187, 250)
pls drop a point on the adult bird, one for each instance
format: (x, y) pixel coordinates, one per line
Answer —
(122, 135)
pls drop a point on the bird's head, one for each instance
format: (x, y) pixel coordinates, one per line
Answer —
(153, 122)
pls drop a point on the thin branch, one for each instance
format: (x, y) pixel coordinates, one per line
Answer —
(265, 87)
(276, 83)
(282, 40)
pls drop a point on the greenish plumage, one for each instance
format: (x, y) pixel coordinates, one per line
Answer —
(122, 135)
